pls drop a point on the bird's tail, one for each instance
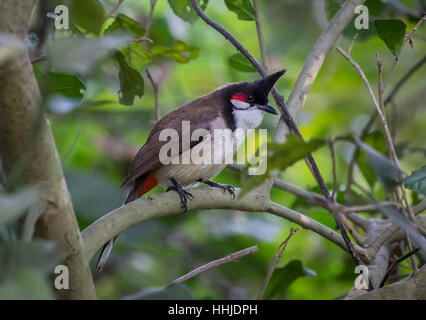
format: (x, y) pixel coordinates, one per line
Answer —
(137, 190)
(106, 250)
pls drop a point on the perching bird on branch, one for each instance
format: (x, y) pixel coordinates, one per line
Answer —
(185, 147)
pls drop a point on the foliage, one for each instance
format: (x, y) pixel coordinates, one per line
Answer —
(240, 63)
(392, 32)
(417, 180)
(103, 63)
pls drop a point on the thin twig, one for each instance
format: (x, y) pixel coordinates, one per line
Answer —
(260, 36)
(39, 58)
(213, 264)
(277, 257)
(388, 136)
(330, 143)
(372, 119)
(148, 73)
(380, 87)
(114, 9)
(352, 230)
(366, 129)
(149, 20)
(371, 207)
(395, 159)
(352, 42)
(407, 38)
(395, 263)
(155, 89)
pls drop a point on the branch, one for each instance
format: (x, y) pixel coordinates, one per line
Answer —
(406, 39)
(412, 288)
(277, 257)
(260, 36)
(376, 271)
(394, 264)
(213, 264)
(159, 205)
(366, 129)
(148, 73)
(155, 89)
(20, 109)
(316, 59)
(114, 9)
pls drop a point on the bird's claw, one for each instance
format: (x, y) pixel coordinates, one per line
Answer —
(230, 189)
(224, 187)
(183, 194)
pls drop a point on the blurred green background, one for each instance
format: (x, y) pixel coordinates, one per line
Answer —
(98, 137)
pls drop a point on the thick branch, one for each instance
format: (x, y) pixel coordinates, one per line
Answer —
(20, 113)
(315, 60)
(163, 204)
(413, 288)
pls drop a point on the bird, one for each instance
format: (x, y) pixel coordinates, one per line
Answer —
(232, 107)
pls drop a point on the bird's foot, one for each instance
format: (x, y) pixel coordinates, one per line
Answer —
(224, 187)
(183, 194)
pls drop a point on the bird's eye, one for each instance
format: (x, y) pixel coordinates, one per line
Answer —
(250, 98)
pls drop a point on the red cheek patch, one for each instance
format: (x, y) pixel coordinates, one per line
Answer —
(239, 97)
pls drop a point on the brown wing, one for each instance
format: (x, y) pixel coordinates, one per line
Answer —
(200, 112)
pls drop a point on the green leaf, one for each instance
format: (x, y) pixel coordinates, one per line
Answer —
(80, 55)
(88, 14)
(13, 206)
(184, 10)
(28, 284)
(124, 23)
(180, 52)
(41, 255)
(387, 172)
(392, 32)
(280, 156)
(285, 155)
(375, 7)
(241, 63)
(92, 194)
(243, 9)
(137, 55)
(174, 291)
(417, 181)
(131, 82)
(404, 223)
(64, 84)
(377, 141)
(283, 277)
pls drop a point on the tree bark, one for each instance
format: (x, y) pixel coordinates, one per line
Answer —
(413, 288)
(21, 113)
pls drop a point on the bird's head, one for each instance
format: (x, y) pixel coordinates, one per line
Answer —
(249, 96)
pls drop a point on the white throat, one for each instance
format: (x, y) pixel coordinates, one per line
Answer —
(245, 116)
(248, 119)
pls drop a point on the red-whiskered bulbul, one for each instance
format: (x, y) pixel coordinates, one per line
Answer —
(232, 106)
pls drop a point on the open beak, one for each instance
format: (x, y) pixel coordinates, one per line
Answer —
(267, 108)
